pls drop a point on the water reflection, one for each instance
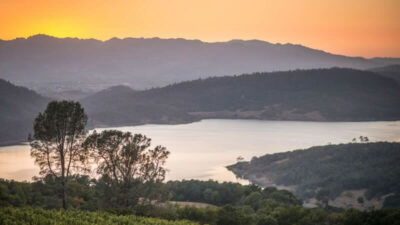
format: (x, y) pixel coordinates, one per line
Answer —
(201, 150)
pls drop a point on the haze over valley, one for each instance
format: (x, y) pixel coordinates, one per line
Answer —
(210, 112)
(51, 65)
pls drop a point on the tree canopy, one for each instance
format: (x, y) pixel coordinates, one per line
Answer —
(126, 163)
(56, 145)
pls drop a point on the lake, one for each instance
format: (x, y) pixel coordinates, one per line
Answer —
(201, 150)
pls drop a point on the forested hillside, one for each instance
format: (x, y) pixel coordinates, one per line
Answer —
(316, 95)
(370, 170)
(18, 108)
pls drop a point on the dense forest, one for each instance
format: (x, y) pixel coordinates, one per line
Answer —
(331, 170)
(317, 95)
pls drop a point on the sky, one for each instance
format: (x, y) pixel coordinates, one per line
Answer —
(368, 28)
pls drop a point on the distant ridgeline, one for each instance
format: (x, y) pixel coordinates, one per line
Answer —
(46, 63)
(361, 175)
(314, 95)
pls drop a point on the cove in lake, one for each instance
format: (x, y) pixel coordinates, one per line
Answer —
(201, 150)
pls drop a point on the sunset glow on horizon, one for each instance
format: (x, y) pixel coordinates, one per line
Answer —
(367, 28)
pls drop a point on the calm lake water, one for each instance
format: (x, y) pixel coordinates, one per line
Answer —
(201, 150)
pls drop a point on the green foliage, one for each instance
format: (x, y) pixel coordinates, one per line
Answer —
(84, 198)
(130, 171)
(230, 215)
(208, 215)
(29, 216)
(206, 191)
(225, 193)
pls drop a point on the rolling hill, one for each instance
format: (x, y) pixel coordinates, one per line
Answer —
(315, 95)
(18, 107)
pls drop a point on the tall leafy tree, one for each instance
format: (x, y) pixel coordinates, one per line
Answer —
(59, 132)
(128, 163)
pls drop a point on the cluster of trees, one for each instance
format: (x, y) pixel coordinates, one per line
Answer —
(225, 193)
(94, 194)
(361, 138)
(334, 168)
(61, 147)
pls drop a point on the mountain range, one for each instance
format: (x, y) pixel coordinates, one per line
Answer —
(48, 64)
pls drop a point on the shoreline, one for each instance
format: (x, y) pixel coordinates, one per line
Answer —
(103, 126)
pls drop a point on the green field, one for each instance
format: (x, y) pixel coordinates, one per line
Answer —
(22, 216)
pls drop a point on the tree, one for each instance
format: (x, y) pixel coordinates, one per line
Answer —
(239, 159)
(127, 164)
(56, 145)
(323, 196)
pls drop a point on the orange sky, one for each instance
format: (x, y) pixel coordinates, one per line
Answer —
(351, 27)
